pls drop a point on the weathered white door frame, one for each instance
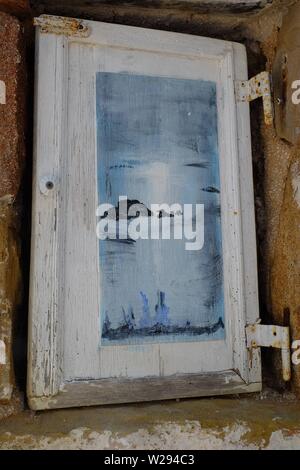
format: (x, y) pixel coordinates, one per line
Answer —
(48, 386)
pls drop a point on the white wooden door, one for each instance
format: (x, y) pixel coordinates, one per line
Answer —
(151, 116)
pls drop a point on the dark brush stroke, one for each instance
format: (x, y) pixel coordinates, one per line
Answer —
(203, 165)
(125, 331)
(127, 241)
(122, 165)
(210, 189)
(130, 202)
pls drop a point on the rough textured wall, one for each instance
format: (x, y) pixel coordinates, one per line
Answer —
(276, 163)
(11, 164)
(16, 7)
(284, 253)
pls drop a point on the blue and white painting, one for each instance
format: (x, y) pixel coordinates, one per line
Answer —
(157, 141)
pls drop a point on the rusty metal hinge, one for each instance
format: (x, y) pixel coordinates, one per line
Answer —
(60, 25)
(272, 336)
(258, 86)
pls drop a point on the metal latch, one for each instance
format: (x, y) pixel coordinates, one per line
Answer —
(272, 336)
(258, 86)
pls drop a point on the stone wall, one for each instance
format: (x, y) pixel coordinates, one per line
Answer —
(275, 162)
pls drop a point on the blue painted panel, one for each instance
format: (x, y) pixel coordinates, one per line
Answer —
(157, 142)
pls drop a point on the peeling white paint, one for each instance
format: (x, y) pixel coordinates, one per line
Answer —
(281, 440)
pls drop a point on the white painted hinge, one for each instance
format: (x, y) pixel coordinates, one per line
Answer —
(272, 336)
(258, 86)
(60, 25)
